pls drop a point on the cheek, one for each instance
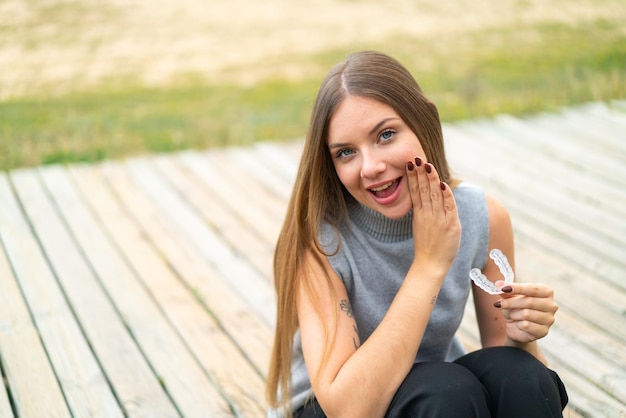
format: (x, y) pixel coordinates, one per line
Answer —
(413, 149)
(348, 175)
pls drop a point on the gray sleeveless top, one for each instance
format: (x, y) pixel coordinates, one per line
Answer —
(373, 259)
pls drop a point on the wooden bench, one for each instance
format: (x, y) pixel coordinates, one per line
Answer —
(143, 287)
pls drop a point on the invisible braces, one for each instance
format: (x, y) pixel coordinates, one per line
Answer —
(487, 285)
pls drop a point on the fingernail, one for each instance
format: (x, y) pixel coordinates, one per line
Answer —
(507, 289)
(443, 186)
(498, 304)
(428, 168)
(418, 161)
(409, 166)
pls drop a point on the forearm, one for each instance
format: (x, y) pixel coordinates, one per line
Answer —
(368, 380)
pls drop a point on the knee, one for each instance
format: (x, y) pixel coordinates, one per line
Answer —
(513, 368)
(513, 361)
(444, 379)
(444, 388)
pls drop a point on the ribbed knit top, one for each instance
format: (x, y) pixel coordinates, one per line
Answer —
(374, 256)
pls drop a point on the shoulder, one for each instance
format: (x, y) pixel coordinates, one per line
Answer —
(500, 226)
(498, 214)
(329, 237)
(471, 197)
(468, 195)
(471, 204)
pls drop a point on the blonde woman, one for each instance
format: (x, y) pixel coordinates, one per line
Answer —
(372, 270)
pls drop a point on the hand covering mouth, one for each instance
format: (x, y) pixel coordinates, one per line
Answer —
(386, 189)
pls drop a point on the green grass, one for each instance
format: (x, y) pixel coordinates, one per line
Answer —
(518, 71)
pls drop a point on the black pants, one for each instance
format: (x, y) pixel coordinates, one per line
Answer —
(493, 382)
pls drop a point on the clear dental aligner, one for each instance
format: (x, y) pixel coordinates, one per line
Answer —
(487, 285)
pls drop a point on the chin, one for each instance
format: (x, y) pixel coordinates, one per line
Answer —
(395, 213)
(396, 216)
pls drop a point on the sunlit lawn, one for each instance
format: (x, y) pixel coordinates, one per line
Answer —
(520, 70)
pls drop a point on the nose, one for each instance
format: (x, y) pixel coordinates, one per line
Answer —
(372, 165)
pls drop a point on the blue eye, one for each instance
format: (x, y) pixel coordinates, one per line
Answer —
(387, 134)
(343, 153)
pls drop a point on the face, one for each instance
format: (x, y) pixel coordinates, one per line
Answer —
(370, 146)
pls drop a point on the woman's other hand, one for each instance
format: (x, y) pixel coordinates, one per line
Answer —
(528, 309)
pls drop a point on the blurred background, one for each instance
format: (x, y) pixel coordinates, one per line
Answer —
(86, 80)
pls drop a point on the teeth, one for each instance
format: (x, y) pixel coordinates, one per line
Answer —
(383, 187)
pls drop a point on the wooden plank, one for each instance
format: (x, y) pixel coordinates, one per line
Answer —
(236, 272)
(598, 369)
(252, 336)
(602, 213)
(573, 179)
(23, 358)
(587, 253)
(234, 230)
(572, 285)
(282, 158)
(562, 148)
(248, 161)
(176, 369)
(556, 149)
(573, 275)
(554, 124)
(220, 358)
(265, 199)
(5, 405)
(574, 288)
(588, 125)
(240, 197)
(75, 367)
(586, 399)
(126, 371)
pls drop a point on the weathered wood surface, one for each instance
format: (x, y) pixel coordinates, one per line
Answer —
(143, 287)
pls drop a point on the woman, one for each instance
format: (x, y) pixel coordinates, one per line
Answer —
(372, 270)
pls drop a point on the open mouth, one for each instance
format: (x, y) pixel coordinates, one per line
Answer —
(385, 190)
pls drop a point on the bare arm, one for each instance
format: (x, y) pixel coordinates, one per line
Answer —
(490, 321)
(360, 380)
(520, 316)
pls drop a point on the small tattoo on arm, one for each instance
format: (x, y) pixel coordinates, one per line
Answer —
(433, 300)
(355, 339)
(346, 307)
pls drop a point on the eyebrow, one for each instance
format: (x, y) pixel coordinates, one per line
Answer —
(380, 124)
(371, 132)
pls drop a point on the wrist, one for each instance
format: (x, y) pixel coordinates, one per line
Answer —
(427, 275)
(531, 347)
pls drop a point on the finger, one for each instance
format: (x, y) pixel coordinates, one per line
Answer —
(533, 330)
(411, 175)
(545, 318)
(423, 183)
(434, 186)
(449, 202)
(544, 304)
(527, 289)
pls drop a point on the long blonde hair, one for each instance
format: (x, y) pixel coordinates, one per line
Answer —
(318, 194)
